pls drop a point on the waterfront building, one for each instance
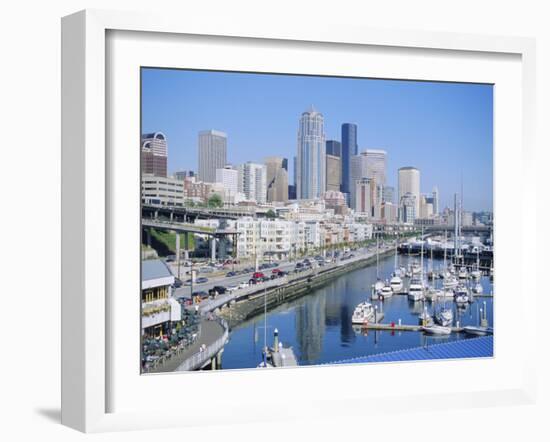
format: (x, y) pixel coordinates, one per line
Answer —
(336, 201)
(253, 181)
(311, 160)
(376, 165)
(334, 171)
(349, 149)
(334, 148)
(229, 178)
(263, 238)
(277, 179)
(183, 174)
(159, 310)
(212, 154)
(162, 191)
(407, 208)
(409, 182)
(154, 154)
(467, 219)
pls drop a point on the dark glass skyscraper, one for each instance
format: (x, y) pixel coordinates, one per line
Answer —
(349, 149)
(334, 148)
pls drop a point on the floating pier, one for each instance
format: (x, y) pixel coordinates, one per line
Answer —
(401, 327)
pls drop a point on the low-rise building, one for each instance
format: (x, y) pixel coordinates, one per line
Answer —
(162, 190)
(159, 310)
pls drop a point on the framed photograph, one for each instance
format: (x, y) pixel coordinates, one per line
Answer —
(308, 208)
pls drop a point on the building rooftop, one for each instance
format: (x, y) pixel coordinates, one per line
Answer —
(154, 269)
(481, 347)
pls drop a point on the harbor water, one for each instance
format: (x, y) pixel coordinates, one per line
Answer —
(318, 326)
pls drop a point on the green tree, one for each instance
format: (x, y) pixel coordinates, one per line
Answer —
(215, 201)
(270, 214)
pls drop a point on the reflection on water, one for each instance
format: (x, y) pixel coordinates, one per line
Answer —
(318, 326)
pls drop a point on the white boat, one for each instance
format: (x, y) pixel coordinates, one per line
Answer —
(434, 294)
(386, 291)
(450, 283)
(416, 290)
(425, 318)
(463, 273)
(477, 331)
(396, 284)
(437, 330)
(462, 295)
(447, 294)
(476, 274)
(378, 285)
(444, 317)
(364, 312)
(478, 289)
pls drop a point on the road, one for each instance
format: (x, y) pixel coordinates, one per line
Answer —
(288, 266)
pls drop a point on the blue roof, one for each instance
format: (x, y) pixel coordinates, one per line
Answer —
(480, 347)
(154, 269)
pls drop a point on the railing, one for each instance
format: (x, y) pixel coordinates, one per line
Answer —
(200, 358)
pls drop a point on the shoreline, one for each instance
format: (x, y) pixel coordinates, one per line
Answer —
(248, 308)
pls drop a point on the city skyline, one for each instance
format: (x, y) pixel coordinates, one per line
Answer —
(457, 117)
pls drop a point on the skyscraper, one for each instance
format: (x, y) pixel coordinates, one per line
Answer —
(334, 148)
(376, 165)
(253, 182)
(154, 154)
(277, 179)
(212, 154)
(358, 170)
(334, 171)
(311, 160)
(409, 183)
(349, 149)
(435, 200)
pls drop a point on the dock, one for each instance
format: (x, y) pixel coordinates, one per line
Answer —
(402, 327)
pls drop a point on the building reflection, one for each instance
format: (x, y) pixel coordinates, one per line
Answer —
(310, 327)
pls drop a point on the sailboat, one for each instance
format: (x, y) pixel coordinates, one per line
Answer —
(396, 283)
(416, 286)
(379, 284)
(476, 274)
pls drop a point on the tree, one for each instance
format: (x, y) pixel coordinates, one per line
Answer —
(270, 214)
(215, 201)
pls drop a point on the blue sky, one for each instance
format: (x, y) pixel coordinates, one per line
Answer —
(444, 129)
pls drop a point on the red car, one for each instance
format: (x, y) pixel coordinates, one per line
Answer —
(276, 271)
(257, 275)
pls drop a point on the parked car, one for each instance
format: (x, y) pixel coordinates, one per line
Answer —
(277, 270)
(243, 285)
(230, 274)
(257, 275)
(201, 294)
(201, 280)
(187, 282)
(177, 283)
(232, 288)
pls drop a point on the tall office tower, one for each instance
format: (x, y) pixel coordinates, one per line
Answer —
(311, 159)
(277, 179)
(407, 208)
(154, 154)
(358, 170)
(291, 192)
(409, 182)
(334, 171)
(229, 178)
(334, 148)
(349, 149)
(435, 200)
(295, 167)
(253, 182)
(365, 197)
(376, 165)
(212, 154)
(387, 194)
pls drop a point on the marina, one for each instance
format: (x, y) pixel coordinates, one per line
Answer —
(318, 326)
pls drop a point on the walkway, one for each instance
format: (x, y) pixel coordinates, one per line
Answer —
(211, 332)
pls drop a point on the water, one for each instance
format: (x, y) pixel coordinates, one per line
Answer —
(318, 325)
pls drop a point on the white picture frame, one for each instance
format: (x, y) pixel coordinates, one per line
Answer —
(86, 213)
